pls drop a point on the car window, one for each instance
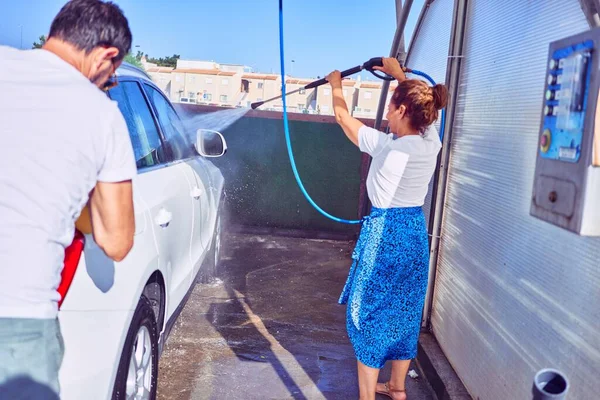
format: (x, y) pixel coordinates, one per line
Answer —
(180, 144)
(145, 138)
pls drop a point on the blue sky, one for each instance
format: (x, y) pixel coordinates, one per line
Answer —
(320, 35)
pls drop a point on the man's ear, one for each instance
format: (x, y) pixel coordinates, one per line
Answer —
(101, 55)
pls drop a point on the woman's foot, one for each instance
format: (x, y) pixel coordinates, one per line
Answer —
(390, 391)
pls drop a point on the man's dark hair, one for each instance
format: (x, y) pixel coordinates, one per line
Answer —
(87, 24)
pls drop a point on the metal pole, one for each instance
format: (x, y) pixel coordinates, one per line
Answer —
(590, 9)
(402, 49)
(397, 51)
(455, 57)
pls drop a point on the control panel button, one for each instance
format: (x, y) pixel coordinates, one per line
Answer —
(553, 64)
(551, 80)
(545, 141)
(548, 110)
(550, 95)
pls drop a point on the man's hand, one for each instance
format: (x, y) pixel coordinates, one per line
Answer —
(113, 222)
(335, 79)
(392, 67)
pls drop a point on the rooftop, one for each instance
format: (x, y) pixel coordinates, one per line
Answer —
(160, 69)
(204, 71)
(268, 77)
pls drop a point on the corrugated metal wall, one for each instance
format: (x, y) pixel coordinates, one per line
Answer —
(429, 53)
(513, 294)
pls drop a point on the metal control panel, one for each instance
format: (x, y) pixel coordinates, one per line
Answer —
(566, 102)
(566, 188)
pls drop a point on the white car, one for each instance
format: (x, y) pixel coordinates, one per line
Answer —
(115, 317)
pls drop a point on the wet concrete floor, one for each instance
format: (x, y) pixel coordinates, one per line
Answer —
(268, 328)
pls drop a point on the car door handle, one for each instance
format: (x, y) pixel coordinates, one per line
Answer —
(163, 218)
(196, 192)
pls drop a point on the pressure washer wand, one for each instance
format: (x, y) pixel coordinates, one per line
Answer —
(369, 65)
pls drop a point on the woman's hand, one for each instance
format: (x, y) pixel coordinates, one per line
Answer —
(335, 79)
(392, 67)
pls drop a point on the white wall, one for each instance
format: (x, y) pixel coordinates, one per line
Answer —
(513, 294)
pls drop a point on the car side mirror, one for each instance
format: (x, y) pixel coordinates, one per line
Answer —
(210, 143)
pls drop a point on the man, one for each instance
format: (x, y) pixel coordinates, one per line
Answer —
(63, 142)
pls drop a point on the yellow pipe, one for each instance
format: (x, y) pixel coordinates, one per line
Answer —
(84, 222)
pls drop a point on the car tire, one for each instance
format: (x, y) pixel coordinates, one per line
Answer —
(138, 368)
(211, 263)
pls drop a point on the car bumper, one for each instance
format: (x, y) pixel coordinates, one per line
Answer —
(93, 343)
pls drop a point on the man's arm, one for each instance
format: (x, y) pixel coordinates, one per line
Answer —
(113, 222)
(111, 200)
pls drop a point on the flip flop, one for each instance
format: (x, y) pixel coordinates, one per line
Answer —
(388, 392)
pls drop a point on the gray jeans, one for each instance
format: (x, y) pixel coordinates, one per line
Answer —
(31, 352)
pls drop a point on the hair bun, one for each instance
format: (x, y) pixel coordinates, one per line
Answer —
(440, 96)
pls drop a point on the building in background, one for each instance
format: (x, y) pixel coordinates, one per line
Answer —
(303, 101)
(161, 76)
(206, 82)
(325, 101)
(231, 85)
(367, 100)
(259, 87)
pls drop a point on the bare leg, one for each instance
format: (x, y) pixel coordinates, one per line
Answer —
(397, 380)
(399, 371)
(367, 381)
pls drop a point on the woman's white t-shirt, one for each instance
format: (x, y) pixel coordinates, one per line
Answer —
(402, 167)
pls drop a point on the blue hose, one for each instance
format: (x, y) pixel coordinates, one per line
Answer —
(286, 127)
(287, 131)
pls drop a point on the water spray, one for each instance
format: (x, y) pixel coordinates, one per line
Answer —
(367, 66)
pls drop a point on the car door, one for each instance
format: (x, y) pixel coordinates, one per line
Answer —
(182, 147)
(163, 185)
(203, 189)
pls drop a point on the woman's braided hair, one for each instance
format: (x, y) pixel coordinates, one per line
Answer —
(422, 101)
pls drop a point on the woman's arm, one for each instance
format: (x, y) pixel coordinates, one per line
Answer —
(349, 124)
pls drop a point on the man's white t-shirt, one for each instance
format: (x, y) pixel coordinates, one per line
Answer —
(59, 135)
(402, 167)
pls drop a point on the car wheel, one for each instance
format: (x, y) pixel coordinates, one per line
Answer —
(138, 368)
(211, 264)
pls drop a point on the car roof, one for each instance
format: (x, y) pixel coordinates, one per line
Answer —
(127, 69)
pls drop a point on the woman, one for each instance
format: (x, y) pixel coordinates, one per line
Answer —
(386, 286)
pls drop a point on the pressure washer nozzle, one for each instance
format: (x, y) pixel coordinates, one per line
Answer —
(254, 106)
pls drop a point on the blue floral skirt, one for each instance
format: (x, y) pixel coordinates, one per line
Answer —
(386, 286)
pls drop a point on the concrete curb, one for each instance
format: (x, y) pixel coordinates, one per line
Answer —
(436, 368)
